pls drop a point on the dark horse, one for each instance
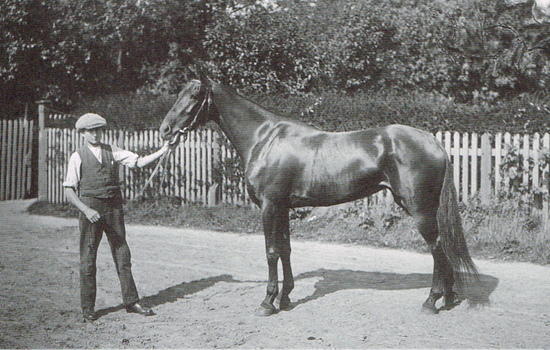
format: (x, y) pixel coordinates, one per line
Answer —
(290, 164)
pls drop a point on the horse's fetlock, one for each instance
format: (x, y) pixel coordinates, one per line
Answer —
(288, 287)
(272, 290)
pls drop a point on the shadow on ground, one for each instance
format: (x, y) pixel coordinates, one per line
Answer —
(172, 294)
(476, 291)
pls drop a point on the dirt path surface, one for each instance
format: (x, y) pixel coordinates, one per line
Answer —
(204, 287)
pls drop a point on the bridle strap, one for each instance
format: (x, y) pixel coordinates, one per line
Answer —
(191, 125)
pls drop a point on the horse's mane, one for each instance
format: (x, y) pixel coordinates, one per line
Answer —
(263, 110)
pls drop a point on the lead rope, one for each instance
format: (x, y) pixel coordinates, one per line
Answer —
(162, 160)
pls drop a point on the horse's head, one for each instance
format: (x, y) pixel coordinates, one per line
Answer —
(188, 112)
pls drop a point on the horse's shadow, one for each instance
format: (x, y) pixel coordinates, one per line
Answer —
(477, 291)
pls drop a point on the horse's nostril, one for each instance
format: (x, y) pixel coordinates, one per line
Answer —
(166, 129)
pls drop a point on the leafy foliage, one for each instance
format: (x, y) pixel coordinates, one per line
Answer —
(340, 111)
(518, 181)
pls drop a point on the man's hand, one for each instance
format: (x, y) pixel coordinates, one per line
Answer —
(166, 146)
(146, 160)
(92, 215)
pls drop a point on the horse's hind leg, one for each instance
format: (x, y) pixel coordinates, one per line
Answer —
(277, 244)
(443, 279)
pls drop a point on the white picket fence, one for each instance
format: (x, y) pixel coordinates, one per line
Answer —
(193, 171)
(190, 173)
(477, 160)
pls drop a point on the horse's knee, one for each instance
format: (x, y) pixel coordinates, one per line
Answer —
(272, 259)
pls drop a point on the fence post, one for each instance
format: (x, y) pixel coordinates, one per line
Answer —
(42, 151)
(214, 192)
(486, 155)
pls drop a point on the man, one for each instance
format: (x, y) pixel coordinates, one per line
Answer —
(93, 171)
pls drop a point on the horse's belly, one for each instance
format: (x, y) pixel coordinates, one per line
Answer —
(336, 190)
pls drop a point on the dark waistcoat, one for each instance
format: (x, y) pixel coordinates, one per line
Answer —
(98, 180)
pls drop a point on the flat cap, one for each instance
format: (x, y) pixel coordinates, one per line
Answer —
(90, 121)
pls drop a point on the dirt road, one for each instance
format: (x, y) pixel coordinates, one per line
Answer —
(204, 287)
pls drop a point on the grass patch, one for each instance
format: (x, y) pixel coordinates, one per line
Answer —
(507, 230)
(172, 212)
(500, 230)
(60, 210)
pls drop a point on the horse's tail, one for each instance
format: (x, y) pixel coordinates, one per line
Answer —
(451, 233)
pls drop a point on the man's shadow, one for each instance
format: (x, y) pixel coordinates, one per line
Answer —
(477, 291)
(172, 294)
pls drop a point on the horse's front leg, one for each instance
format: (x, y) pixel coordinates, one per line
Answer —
(276, 232)
(285, 249)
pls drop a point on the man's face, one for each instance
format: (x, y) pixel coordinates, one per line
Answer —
(93, 136)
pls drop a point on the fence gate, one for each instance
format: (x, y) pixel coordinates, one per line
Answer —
(16, 159)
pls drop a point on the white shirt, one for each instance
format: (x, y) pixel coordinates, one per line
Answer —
(121, 156)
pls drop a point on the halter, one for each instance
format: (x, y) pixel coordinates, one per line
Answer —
(191, 125)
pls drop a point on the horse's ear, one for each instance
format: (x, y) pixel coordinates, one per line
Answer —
(201, 72)
(195, 65)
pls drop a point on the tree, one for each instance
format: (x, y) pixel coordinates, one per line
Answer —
(31, 64)
(500, 52)
(63, 50)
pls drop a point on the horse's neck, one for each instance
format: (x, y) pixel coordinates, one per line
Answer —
(239, 119)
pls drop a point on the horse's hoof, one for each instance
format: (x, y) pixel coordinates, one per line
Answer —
(265, 311)
(450, 305)
(429, 308)
(285, 305)
(451, 300)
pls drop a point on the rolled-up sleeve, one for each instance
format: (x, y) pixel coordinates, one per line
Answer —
(73, 171)
(124, 157)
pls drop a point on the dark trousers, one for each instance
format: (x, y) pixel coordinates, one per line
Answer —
(112, 223)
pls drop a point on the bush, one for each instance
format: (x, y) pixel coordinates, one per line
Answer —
(339, 111)
(128, 110)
